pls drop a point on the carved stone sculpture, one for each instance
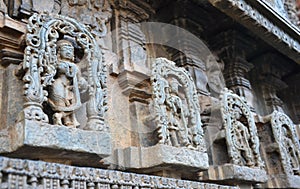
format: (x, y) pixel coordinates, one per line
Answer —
(176, 126)
(64, 97)
(177, 111)
(240, 131)
(284, 132)
(51, 74)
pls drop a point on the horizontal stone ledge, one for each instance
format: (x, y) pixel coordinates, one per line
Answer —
(59, 175)
(31, 139)
(160, 157)
(286, 181)
(230, 173)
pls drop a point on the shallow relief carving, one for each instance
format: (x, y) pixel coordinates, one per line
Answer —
(285, 136)
(240, 131)
(240, 159)
(53, 76)
(65, 93)
(176, 106)
(176, 129)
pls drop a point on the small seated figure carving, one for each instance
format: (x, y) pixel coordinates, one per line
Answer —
(64, 96)
(241, 138)
(177, 115)
(291, 151)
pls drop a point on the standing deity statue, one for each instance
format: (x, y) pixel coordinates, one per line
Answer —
(64, 96)
(291, 151)
(176, 106)
(177, 125)
(241, 138)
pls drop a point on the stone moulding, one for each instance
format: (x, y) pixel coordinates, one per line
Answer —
(31, 139)
(235, 174)
(253, 18)
(17, 173)
(160, 157)
(285, 136)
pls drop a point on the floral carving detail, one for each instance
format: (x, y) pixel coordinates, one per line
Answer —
(176, 106)
(284, 132)
(241, 134)
(41, 64)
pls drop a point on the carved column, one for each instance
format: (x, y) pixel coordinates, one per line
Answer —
(129, 43)
(232, 47)
(11, 54)
(132, 68)
(185, 51)
(292, 98)
(269, 70)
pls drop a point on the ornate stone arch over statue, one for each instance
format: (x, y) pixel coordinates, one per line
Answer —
(240, 131)
(52, 76)
(285, 136)
(177, 117)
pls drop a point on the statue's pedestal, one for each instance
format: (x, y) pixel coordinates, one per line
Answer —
(283, 181)
(161, 157)
(234, 174)
(32, 139)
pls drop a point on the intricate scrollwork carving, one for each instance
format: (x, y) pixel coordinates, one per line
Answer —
(43, 67)
(284, 132)
(241, 134)
(176, 106)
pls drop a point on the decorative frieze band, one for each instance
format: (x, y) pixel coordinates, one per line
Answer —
(17, 173)
(245, 13)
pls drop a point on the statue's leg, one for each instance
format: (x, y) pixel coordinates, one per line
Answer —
(249, 158)
(57, 118)
(67, 120)
(174, 140)
(74, 120)
(183, 138)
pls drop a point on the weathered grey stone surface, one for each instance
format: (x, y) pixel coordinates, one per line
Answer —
(91, 90)
(287, 181)
(161, 156)
(177, 113)
(36, 174)
(34, 134)
(240, 131)
(235, 173)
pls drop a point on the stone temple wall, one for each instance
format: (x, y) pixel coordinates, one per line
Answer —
(149, 94)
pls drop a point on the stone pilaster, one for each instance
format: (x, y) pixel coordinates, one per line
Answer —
(231, 47)
(11, 54)
(269, 71)
(188, 52)
(129, 44)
